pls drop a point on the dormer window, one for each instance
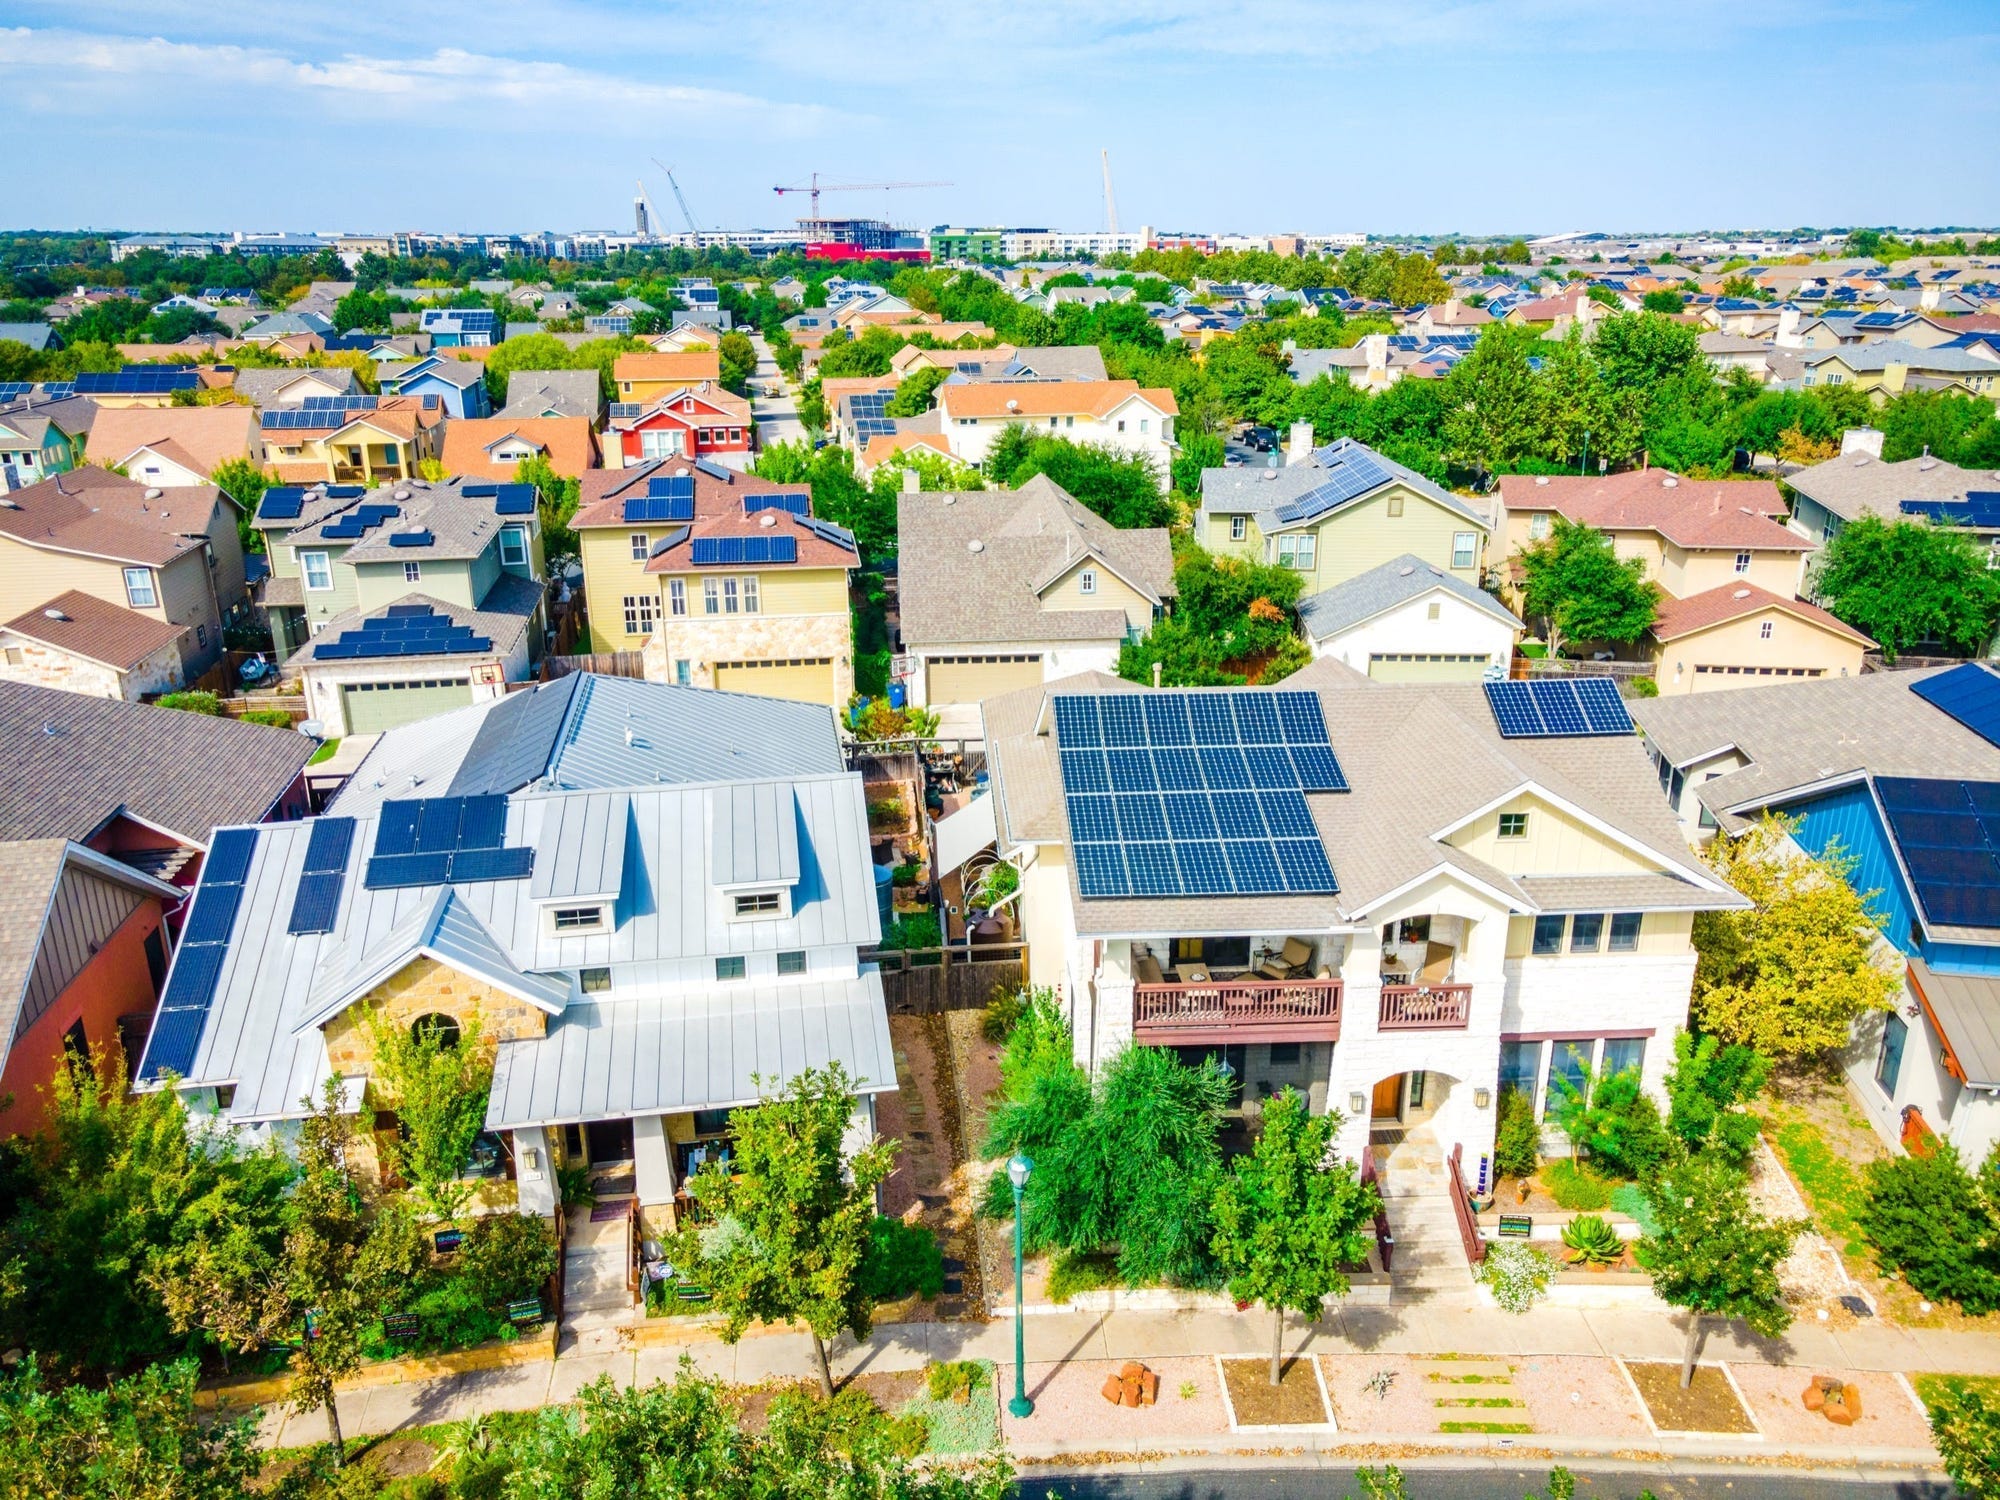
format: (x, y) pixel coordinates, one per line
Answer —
(572, 920)
(759, 904)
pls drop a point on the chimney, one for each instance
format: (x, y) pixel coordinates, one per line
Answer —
(1156, 673)
(1927, 296)
(1300, 448)
(1376, 346)
(912, 481)
(1866, 440)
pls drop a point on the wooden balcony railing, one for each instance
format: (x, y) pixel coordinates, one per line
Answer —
(1238, 1010)
(1425, 1007)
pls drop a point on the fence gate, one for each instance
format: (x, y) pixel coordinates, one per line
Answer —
(930, 981)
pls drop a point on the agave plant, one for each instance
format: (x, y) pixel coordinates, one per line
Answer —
(1592, 1242)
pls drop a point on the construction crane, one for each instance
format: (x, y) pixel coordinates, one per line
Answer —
(679, 196)
(816, 187)
(1110, 203)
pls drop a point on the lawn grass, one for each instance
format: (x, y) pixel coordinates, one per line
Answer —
(1486, 1427)
(1930, 1388)
(324, 752)
(1463, 1402)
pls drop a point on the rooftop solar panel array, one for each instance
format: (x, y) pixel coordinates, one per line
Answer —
(714, 470)
(351, 526)
(405, 630)
(826, 531)
(1558, 708)
(341, 403)
(798, 502)
(316, 903)
(1948, 834)
(1194, 794)
(513, 500)
(284, 502)
(1350, 474)
(714, 551)
(1970, 694)
(870, 416)
(138, 380)
(198, 962)
(301, 419)
(656, 508)
(440, 840)
(1980, 509)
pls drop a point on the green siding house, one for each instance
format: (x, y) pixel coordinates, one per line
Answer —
(1337, 512)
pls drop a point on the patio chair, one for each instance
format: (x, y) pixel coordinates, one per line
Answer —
(1290, 962)
(1146, 968)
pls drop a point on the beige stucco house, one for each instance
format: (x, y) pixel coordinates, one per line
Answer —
(1741, 635)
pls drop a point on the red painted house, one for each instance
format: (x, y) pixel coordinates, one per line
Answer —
(703, 421)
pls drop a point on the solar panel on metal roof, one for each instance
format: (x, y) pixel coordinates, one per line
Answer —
(492, 864)
(327, 848)
(316, 903)
(1948, 836)
(482, 823)
(229, 857)
(395, 871)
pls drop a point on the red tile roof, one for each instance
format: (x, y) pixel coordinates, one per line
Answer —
(1718, 606)
(1715, 513)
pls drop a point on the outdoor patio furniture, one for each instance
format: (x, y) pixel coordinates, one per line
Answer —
(1195, 974)
(1289, 962)
(1146, 968)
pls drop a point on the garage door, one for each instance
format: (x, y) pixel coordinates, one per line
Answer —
(803, 680)
(371, 707)
(1431, 667)
(973, 679)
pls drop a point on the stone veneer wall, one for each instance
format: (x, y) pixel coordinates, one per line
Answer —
(705, 640)
(45, 666)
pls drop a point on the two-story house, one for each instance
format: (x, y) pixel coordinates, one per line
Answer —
(460, 327)
(1114, 414)
(1402, 899)
(1900, 772)
(1730, 571)
(640, 959)
(175, 447)
(1335, 512)
(1002, 589)
(458, 384)
(645, 379)
(352, 439)
(400, 602)
(721, 579)
(1859, 483)
(701, 421)
(40, 439)
(172, 555)
(492, 447)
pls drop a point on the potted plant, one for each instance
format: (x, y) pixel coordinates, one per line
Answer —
(1592, 1243)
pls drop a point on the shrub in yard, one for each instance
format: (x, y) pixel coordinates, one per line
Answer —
(1001, 1015)
(954, 1378)
(900, 1260)
(1630, 1199)
(509, 1257)
(1071, 1274)
(1613, 1121)
(1592, 1242)
(194, 703)
(1706, 1089)
(1517, 1145)
(1965, 1427)
(275, 718)
(1929, 1219)
(1517, 1274)
(913, 929)
(1574, 1186)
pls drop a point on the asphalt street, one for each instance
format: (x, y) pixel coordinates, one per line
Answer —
(1481, 1480)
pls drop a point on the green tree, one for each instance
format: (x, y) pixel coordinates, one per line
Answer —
(790, 1215)
(1965, 1429)
(557, 497)
(1790, 974)
(1199, 450)
(1937, 1225)
(1663, 301)
(320, 1269)
(1492, 421)
(1289, 1216)
(837, 494)
(1611, 1118)
(1706, 1089)
(436, 1077)
(1582, 590)
(913, 394)
(1906, 582)
(1122, 488)
(1712, 1254)
(738, 357)
(133, 1439)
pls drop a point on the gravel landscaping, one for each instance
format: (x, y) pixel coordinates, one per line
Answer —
(1889, 1418)
(1070, 1407)
(1559, 1396)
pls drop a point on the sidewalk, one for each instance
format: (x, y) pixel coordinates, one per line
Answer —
(1058, 1341)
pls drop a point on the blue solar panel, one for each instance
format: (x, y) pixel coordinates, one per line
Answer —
(659, 508)
(1289, 817)
(1203, 869)
(1178, 769)
(797, 502)
(393, 871)
(214, 914)
(1152, 869)
(1084, 771)
(1124, 722)
(483, 825)
(826, 531)
(709, 551)
(1214, 724)
(327, 849)
(1970, 694)
(1252, 865)
(1352, 471)
(171, 1048)
(1304, 864)
(1077, 723)
(1557, 707)
(1305, 723)
(1190, 816)
(1093, 818)
(514, 500)
(1223, 768)
(1141, 816)
(420, 538)
(492, 864)
(1166, 720)
(1561, 713)
(1979, 510)
(1318, 768)
(714, 470)
(1948, 836)
(282, 503)
(396, 827)
(316, 903)
(1270, 766)
(1513, 709)
(1603, 709)
(671, 487)
(138, 380)
(437, 824)
(229, 857)
(1257, 719)
(1238, 816)
(1131, 770)
(1100, 870)
(402, 630)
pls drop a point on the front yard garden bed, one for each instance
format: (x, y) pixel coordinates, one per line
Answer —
(1709, 1407)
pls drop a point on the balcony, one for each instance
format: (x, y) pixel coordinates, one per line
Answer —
(1237, 1010)
(1424, 1007)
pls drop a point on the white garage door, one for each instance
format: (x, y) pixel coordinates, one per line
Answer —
(973, 679)
(1427, 667)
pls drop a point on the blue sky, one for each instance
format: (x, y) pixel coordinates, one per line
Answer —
(1472, 116)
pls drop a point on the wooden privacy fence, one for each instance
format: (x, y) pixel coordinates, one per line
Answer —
(604, 663)
(930, 981)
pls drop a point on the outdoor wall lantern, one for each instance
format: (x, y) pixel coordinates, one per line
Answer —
(531, 1160)
(1357, 1104)
(1481, 1098)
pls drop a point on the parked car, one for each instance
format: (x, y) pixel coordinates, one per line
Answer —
(1263, 439)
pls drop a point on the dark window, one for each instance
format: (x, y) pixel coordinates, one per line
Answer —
(1889, 1066)
(711, 1122)
(1622, 1053)
(595, 981)
(443, 1027)
(791, 963)
(729, 968)
(156, 957)
(488, 1157)
(76, 1044)
(1569, 1061)
(1217, 953)
(1549, 934)
(1284, 1054)
(1586, 931)
(1625, 931)
(1520, 1067)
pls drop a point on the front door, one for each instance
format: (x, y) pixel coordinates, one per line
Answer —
(609, 1140)
(1388, 1101)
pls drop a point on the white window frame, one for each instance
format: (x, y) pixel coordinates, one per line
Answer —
(1465, 544)
(642, 546)
(573, 921)
(1239, 528)
(677, 597)
(642, 611)
(141, 592)
(1538, 526)
(732, 602)
(1086, 581)
(752, 598)
(516, 539)
(413, 572)
(748, 906)
(320, 563)
(1743, 562)
(711, 596)
(1298, 550)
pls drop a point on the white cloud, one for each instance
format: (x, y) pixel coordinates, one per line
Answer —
(147, 70)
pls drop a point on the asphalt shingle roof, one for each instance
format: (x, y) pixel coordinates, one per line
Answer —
(1395, 582)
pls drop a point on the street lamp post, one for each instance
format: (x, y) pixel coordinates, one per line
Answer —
(1018, 1168)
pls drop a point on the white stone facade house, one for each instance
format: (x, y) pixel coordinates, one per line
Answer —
(1002, 589)
(1507, 912)
(1409, 621)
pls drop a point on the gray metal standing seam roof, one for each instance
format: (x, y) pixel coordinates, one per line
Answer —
(275, 988)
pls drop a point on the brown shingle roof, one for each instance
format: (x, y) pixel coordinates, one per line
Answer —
(1687, 512)
(199, 436)
(84, 625)
(101, 514)
(568, 442)
(1717, 606)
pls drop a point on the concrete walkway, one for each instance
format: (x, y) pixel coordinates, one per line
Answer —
(1441, 1325)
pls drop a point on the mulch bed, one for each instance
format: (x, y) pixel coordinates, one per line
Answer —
(1709, 1404)
(1295, 1401)
(888, 1390)
(400, 1457)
